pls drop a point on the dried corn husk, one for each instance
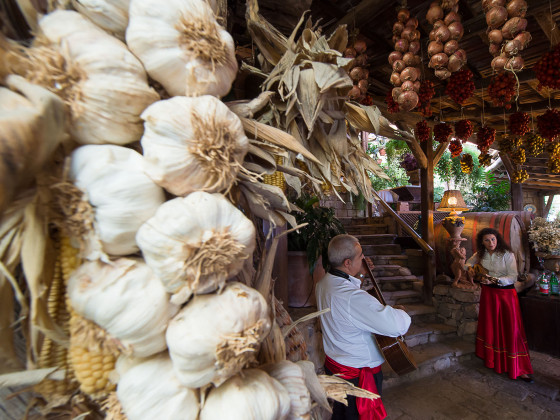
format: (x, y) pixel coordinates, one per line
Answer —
(235, 323)
(251, 395)
(182, 46)
(310, 75)
(127, 300)
(119, 195)
(101, 81)
(31, 127)
(194, 244)
(148, 389)
(193, 144)
(291, 376)
(110, 15)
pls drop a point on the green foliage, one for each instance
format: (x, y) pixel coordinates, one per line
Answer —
(448, 170)
(315, 237)
(491, 196)
(397, 175)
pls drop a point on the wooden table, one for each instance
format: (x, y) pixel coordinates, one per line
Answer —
(541, 316)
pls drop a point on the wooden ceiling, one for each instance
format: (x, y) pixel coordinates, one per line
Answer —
(373, 20)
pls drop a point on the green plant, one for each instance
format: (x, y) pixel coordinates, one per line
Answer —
(322, 226)
(491, 196)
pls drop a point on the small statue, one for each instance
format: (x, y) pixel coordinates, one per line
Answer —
(463, 278)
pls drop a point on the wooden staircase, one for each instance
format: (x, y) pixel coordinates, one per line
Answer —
(434, 345)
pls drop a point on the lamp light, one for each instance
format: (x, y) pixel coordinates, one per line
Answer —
(452, 201)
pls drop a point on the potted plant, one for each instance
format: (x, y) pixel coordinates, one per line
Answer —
(410, 165)
(307, 249)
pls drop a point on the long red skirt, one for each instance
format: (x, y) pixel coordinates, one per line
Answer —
(500, 338)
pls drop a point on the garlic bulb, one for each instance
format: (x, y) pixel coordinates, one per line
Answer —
(102, 82)
(292, 378)
(148, 389)
(214, 336)
(122, 195)
(251, 395)
(182, 46)
(193, 144)
(110, 15)
(126, 300)
(194, 244)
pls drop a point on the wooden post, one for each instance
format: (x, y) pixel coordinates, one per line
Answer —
(516, 189)
(516, 196)
(427, 221)
(540, 204)
(548, 206)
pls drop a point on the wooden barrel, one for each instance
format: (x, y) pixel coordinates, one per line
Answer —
(508, 223)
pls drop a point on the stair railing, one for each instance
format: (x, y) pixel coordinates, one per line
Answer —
(423, 245)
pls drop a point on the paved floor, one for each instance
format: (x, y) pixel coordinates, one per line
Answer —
(471, 391)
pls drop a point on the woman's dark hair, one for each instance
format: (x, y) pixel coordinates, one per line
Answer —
(501, 245)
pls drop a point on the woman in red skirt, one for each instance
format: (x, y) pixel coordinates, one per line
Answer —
(500, 337)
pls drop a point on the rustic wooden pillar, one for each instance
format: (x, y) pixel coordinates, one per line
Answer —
(516, 196)
(427, 221)
(540, 204)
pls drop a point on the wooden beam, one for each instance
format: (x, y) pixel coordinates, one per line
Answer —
(548, 206)
(416, 150)
(442, 147)
(516, 196)
(362, 13)
(540, 204)
(507, 164)
(427, 213)
(548, 26)
(527, 107)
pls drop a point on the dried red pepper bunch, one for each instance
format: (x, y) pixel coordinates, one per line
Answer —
(460, 86)
(456, 148)
(519, 123)
(367, 100)
(547, 69)
(464, 129)
(423, 131)
(442, 131)
(502, 89)
(392, 106)
(549, 124)
(425, 95)
(485, 137)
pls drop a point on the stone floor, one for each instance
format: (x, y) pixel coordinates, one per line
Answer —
(471, 391)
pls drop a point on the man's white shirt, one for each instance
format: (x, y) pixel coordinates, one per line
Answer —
(354, 315)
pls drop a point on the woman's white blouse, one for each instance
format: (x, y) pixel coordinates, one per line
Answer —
(500, 265)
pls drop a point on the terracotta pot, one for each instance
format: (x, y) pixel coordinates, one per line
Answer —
(301, 284)
(414, 177)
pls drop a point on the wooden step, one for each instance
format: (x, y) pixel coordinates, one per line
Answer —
(388, 259)
(366, 229)
(384, 249)
(402, 297)
(376, 239)
(387, 270)
(420, 312)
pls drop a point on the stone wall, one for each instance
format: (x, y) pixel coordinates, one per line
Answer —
(457, 308)
(342, 209)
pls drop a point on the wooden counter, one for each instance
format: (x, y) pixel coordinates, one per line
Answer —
(541, 317)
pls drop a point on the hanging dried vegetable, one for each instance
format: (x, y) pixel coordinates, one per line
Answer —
(442, 131)
(425, 95)
(519, 123)
(520, 176)
(464, 129)
(423, 131)
(534, 144)
(485, 136)
(456, 148)
(548, 124)
(460, 86)
(485, 159)
(467, 163)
